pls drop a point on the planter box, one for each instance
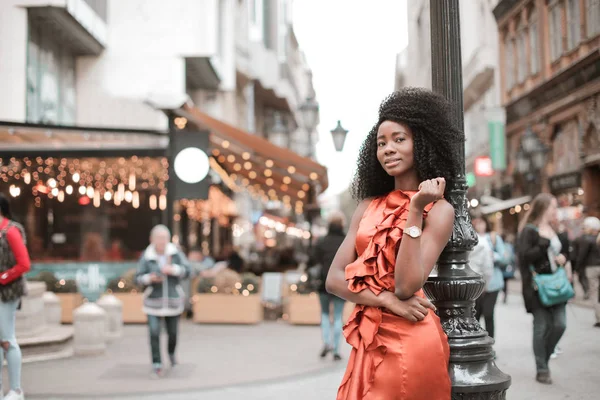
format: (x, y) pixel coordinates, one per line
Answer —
(227, 309)
(69, 302)
(132, 307)
(305, 309)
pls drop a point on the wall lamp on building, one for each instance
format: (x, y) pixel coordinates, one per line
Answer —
(531, 156)
(279, 134)
(310, 117)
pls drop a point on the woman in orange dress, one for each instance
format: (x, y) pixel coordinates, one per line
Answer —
(399, 350)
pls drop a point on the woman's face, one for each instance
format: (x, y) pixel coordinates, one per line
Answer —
(551, 214)
(395, 148)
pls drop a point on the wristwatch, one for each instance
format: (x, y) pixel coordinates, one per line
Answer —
(413, 231)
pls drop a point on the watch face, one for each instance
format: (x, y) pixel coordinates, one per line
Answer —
(413, 231)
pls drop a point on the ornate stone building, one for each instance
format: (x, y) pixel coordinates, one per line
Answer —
(550, 84)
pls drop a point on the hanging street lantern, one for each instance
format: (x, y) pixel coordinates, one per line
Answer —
(339, 137)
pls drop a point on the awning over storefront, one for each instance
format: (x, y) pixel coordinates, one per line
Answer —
(26, 139)
(270, 169)
(504, 205)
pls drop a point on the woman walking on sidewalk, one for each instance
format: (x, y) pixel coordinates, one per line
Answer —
(540, 252)
(14, 263)
(160, 271)
(399, 349)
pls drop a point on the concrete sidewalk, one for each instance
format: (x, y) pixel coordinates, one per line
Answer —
(209, 356)
(276, 361)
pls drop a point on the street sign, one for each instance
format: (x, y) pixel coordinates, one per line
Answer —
(471, 180)
(483, 166)
(497, 140)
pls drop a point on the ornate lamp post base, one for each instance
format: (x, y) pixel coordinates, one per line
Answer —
(455, 287)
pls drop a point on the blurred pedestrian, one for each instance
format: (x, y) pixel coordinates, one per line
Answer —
(160, 271)
(486, 303)
(510, 266)
(481, 258)
(324, 253)
(14, 263)
(541, 252)
(587, 262)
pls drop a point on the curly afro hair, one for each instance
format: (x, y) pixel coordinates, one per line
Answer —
(436, 142)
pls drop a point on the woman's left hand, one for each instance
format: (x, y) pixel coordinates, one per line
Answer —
(429, 191)
(561, 259)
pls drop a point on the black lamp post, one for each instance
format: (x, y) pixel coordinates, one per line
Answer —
(531, 158)
(453, 286)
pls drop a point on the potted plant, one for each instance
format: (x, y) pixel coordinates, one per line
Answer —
(229, 298)
(66, 290)
(131, 295)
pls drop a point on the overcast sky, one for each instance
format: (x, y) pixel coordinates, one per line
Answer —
(351, 46)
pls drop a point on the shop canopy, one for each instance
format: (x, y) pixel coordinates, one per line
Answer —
(270, 169)
(504, 205)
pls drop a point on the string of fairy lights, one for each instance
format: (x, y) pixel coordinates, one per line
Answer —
(142, 180)
(116, 180)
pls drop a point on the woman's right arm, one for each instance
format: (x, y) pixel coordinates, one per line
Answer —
(336, 278)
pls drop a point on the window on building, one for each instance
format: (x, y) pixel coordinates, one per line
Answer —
(555, 30)
(267, 23)
(220, 27)
(282, 30)
(573, 24)
(534, 39)
(509, 59)
(592, 12)
(521, 55)
(50, 78)
(253, 9)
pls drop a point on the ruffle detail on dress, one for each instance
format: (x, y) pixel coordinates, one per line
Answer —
(374, 270)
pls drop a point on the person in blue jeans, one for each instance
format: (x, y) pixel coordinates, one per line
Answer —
(539, 248)
(14, 263)
(324, 253)
(160, 271)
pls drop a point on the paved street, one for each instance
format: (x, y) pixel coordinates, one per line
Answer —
(277, 361)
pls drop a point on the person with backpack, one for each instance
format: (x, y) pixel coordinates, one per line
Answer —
(324, 253)
(14, 263)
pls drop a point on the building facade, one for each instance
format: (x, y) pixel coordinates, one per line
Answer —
(483, 114)
(109, 81)
(550, 74)
(103, 63)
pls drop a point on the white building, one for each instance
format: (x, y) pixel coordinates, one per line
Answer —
(120, 64)
(481, 77)
(102, 62)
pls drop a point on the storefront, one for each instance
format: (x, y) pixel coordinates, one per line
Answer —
(88, 197)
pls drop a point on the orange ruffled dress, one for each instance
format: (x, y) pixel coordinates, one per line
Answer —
(392, 358)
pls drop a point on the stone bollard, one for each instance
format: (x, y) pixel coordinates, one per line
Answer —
(52, 309)
(30, 319)
(89, 322)
(114, 315)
